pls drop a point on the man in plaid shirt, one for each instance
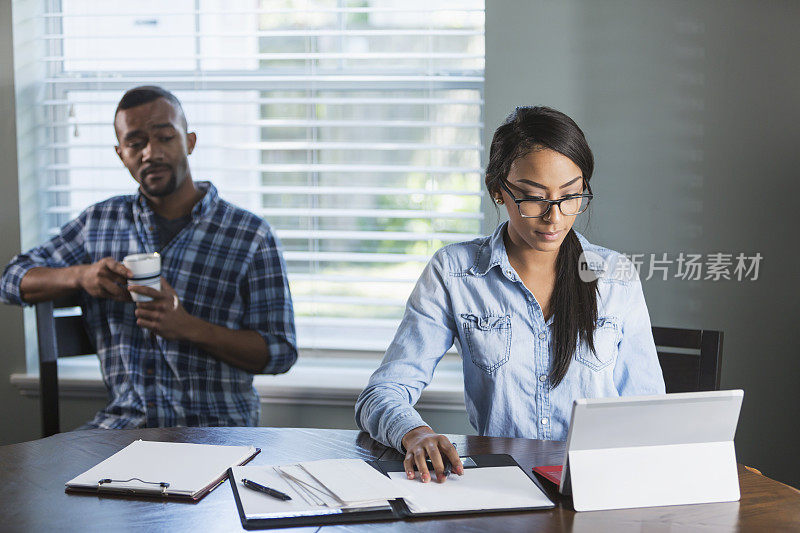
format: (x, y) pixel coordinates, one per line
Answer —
(224, 311)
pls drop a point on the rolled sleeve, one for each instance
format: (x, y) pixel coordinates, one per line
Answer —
(385, 407)
(637, 371)
(10, 292)
(63, 250)
(268, 305)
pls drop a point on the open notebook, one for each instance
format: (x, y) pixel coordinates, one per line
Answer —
(163, 469)
(353, 490)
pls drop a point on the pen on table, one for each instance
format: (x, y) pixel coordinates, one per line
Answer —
(448, 466)
(266, 490)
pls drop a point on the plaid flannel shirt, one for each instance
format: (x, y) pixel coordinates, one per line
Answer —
(227, 269)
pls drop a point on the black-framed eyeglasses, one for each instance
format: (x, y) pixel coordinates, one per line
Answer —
(570, 205)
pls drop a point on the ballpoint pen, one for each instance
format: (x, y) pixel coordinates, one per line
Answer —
(266, 490)
(448, 467)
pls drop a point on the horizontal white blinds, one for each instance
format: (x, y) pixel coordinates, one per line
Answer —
(353, 127)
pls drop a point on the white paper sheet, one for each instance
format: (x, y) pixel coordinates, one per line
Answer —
(501, 487)
(353, 480)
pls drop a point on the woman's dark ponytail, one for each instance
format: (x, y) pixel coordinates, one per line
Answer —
(574, 302)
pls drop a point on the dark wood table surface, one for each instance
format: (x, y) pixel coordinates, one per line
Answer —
(32, 497)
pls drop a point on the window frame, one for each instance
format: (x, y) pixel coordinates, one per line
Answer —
(59, 83)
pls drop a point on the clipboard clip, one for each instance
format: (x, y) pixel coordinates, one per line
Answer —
(163, 484)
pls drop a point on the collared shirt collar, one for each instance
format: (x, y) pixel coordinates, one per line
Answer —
(201, 209)
(492, 253)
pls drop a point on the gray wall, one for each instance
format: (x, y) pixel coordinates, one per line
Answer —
(692, 110)
(19, 418)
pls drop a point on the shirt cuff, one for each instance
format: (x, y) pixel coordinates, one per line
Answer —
(282, 354)
(405, 423)
(10, 291)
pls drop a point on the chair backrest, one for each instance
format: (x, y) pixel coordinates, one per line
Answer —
(691, 359)
(59, 335)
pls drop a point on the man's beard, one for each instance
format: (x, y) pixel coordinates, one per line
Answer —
(165, 190)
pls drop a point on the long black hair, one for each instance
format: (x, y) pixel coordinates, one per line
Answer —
(574, 301)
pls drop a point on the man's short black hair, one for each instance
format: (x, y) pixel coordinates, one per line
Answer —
(146, 94)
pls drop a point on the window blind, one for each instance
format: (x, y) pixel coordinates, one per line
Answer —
(352, 127)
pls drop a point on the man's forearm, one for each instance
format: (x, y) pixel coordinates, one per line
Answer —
(43, 283)
(245, 349)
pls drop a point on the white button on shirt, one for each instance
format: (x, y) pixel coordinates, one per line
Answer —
(543, 378)
(542, 336)
(545, 421)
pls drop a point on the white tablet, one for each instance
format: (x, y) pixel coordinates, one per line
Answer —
(649, 450)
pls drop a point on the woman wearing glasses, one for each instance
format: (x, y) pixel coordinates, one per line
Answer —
(539, 315)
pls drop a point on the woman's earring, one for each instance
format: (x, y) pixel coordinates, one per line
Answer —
(498, 201)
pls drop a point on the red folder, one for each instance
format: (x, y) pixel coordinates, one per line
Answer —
(550, 473)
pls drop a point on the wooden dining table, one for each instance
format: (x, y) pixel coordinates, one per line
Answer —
(32, 495)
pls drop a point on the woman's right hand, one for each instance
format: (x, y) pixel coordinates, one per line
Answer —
(422, 443)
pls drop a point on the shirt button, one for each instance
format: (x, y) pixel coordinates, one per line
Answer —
(510, 272)
(151, 228)
(149, 371)
(545, 421)
(542, 336)
(151, 405)
(543, 378)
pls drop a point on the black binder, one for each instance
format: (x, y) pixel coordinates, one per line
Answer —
(395, 510)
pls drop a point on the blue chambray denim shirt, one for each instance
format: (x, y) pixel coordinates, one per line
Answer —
(470, 295)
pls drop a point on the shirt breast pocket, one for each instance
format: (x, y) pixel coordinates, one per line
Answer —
(488, 340)
(607, 335)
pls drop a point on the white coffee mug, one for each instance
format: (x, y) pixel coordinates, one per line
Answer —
(146, 270)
